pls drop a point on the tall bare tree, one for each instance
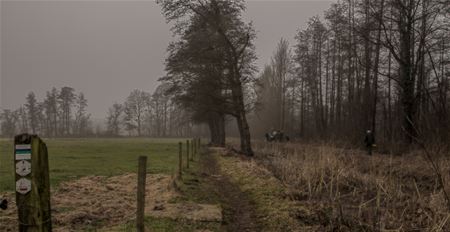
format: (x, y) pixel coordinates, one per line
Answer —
(66, 99)
(134, 109)
(33, 111)
(81, 122)
(114, 119)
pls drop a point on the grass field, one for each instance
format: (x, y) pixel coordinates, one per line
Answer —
(74, 158)
(71, 159)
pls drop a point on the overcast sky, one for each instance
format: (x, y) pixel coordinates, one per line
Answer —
(105, 49)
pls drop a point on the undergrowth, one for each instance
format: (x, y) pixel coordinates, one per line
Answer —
(348, 190)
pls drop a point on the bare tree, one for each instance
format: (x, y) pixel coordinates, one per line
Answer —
(81, 122)
(134, 109)
(66, 100)
(114, 119)
(33, 111)
(9, 121)
(281, 65)
(51, 112)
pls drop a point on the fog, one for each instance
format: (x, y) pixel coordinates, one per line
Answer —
(105, 49)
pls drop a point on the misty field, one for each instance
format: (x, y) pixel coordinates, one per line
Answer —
(74, 158)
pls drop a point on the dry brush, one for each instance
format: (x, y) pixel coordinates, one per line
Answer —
(345, 189)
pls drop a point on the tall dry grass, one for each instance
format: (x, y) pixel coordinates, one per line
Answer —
(347, 190)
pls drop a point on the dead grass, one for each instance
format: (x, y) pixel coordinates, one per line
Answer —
(349, 191)
(273, 210)
(100, 202)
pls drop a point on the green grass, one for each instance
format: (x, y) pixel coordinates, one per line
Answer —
(192, 188)
(195, 187)
(74, 158)
(266, 193)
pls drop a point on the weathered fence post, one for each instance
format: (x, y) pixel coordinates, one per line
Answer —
(32, 184)
(192, 149)
(187, 153)
(180, 159)
(142, 174)
(197, 148)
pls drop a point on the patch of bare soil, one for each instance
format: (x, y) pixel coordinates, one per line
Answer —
(239, 212)
(98, 201)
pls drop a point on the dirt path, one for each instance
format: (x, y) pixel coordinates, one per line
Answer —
(239, 213)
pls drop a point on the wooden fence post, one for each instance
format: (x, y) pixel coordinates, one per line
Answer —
(32, 184)
(187, 153)
(142, 174)
(196, 147)
(180, 160)
(192, 149)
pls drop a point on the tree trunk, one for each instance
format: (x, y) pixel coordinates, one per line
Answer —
(244, 132)
(407, 80)
(241, 118)
(216, 126)
(367, 63)
(375, 70)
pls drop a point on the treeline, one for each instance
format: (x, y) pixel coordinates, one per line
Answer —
(146, 114)
(378, 65)
(62, 113)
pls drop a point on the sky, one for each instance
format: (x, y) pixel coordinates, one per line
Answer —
(106, 49)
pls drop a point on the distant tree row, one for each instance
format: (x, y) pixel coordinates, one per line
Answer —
(62, 113)
(379, 65)
(145, 114)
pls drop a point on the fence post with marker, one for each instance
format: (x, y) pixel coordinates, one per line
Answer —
(142, 174)
(32, 183)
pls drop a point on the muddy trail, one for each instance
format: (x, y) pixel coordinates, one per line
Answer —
(238, 211)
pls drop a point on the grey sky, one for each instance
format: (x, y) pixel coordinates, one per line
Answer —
(105, 49)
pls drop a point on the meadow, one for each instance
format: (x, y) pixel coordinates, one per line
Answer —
(74, 163)
(75, 158)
